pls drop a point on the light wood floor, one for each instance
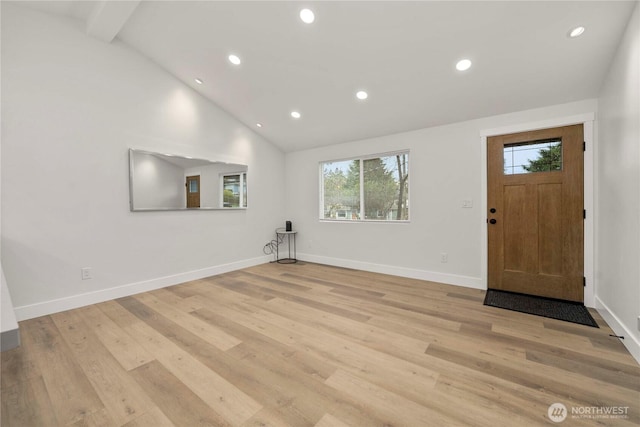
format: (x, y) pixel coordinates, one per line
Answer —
(311, 345)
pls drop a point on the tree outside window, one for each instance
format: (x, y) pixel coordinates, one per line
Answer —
(372, 188)
(549, 159)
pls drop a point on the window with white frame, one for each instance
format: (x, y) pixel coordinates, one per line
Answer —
(372, 188)
(234, 190)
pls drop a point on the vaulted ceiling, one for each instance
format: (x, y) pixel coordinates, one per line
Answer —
(403, 54)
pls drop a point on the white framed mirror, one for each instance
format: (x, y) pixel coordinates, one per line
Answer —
(160, 181)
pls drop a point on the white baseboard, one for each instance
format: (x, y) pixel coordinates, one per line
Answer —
(630, 341)
(55, 306)
(450, 279)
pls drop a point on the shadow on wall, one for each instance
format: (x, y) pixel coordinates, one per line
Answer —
(10, 337)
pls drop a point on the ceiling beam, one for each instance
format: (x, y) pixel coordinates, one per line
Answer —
(108, 17)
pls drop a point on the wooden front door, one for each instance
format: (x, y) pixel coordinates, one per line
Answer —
(193, 191)
(535, 218)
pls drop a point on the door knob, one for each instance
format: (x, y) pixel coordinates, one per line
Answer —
(493, 221)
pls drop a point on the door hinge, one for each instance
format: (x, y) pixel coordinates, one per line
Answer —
(584, 214)
(584, 282)
(584, 145)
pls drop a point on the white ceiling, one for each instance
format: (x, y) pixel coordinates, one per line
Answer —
(402, 53)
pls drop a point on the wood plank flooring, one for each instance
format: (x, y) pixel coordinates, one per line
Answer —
(311, 345)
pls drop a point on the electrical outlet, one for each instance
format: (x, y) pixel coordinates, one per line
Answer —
(86, 273)
(467, 203)
(444, 257)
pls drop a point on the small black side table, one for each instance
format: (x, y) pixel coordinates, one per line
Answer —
(280, 235)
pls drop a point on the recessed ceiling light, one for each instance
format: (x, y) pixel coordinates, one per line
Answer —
(198, 81)
(295, 115)
(362, 94)
(463, 65)
(259, 125)
(307, 16)
(576, 32)
(234, 59)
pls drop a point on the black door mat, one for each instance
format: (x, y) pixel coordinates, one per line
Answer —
(547, 307)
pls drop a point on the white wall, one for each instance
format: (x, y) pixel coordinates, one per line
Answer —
(618, 223)
(9, 336)
(71, 108)
(157, 184)
(446, 168)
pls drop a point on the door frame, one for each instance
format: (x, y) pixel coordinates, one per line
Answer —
(586, 120)
(186, 185)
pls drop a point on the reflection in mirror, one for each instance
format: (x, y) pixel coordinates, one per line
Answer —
(234, 190)
(167, 182)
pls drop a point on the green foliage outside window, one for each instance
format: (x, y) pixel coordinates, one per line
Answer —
(384, 193)
(549, 159)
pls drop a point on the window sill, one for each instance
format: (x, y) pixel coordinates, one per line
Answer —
(349, 221)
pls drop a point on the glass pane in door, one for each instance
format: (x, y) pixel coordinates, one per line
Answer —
(534, 156)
